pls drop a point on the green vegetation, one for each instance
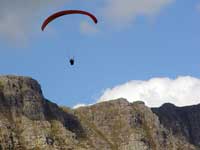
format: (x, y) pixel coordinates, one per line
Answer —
(97, 131)
(56, 132)
(55, 128)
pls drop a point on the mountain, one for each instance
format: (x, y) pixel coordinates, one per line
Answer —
(184, 122)
(28, 121)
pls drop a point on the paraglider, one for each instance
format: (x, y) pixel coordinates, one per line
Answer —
(67, 12)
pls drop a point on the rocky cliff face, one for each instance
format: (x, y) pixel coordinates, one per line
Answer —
(28, 121)
(184, 122)
(121, 125)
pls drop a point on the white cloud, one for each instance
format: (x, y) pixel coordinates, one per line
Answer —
(123, 12)
(80, 105)
(157, 91)
(87, 28)
(19, 18)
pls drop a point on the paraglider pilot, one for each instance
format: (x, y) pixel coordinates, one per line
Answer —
(71, 61)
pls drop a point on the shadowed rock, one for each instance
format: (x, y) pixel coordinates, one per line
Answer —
(183, 121)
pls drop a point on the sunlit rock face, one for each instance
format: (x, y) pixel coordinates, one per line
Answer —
(29, 121)
(127, 126)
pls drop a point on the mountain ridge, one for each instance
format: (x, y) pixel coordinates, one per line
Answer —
(29, 121)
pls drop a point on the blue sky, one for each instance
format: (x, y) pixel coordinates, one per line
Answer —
(155, 38)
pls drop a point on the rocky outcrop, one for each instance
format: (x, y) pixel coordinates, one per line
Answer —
(121, 125)
(184, 122)
(29, 121)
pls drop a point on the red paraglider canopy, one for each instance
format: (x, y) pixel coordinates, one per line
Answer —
(67, 12)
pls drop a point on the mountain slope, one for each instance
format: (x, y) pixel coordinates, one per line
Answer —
(29, 121)
(127, 126)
